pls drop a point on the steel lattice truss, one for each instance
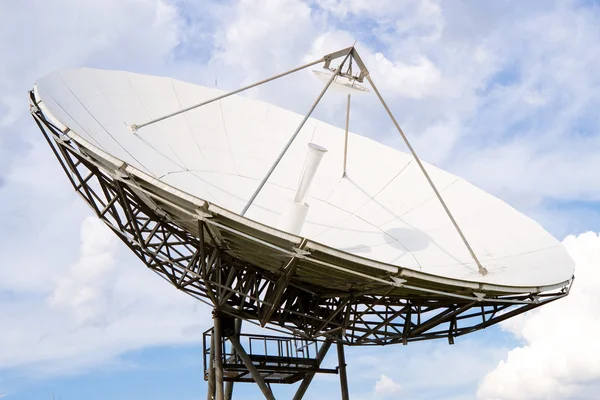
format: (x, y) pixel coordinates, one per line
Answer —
(198, 263)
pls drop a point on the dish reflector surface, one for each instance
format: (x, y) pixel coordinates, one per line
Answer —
(384, 210)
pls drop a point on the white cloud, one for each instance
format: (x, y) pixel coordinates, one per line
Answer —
(559, 358)
(535, 98)
(85, 290)
(38, 37)
(535, 126)
(72, 296)
(425, 370)
(386, 387)
(416, 80)
(104, 304)
(42, 36)
(261, 38)
(406, 16)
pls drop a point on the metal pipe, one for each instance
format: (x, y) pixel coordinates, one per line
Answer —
(289, 143)
(135, 127)
(251, 368)
(480, 267)
(346, 135)
(219, 395)
(211, 369)
(311, 164)
(228, 390)
(342, 368)
(229, 384)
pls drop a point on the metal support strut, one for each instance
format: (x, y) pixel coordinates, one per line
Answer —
(218, 362)
(480, 267)
(211, 371)
(342, 369)
(346, 135)
(229, 384)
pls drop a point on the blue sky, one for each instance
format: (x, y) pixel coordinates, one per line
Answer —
(503, 93)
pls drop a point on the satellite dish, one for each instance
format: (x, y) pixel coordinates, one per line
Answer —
(279, 218)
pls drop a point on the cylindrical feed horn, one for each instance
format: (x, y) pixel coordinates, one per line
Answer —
(311, 163)
(292, 218)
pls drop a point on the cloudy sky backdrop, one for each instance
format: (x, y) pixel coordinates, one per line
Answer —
(504, 93)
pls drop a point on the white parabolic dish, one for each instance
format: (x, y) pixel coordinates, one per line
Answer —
(383, 211)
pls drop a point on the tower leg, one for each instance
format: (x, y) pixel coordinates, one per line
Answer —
(228, 390)
(218, 341)
(229, 384)
(211, 370)
(342, 369)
